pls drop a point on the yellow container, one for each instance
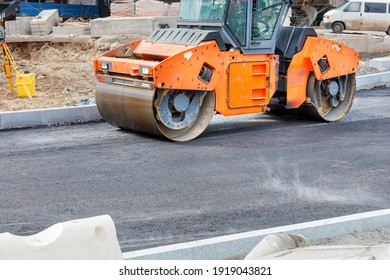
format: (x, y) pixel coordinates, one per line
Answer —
(29, 81)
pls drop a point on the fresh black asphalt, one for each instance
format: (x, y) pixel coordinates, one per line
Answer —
(244, 173)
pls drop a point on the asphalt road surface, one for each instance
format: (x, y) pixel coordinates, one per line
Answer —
(244, 173)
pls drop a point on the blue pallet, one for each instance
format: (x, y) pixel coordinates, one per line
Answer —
(32, 9)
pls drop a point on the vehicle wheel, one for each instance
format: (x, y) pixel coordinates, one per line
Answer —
(182, 115)
(388, 31)
(179, 115)
(330, 99)
(337, 27)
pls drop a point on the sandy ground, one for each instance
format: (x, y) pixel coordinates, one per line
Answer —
(64, 74)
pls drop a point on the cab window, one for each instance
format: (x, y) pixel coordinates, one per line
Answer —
(377, 8)
(342, 6)
(353, 7)
(236, 19)
(265, 15)
(202, 10)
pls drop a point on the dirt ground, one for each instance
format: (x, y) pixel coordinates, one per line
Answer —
(64, 74)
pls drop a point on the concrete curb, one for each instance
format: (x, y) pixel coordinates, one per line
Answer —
(46, 117)
(373, 80)
(89, 113)
(238, 245)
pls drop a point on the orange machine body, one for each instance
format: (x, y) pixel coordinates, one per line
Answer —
(242, 83)
(342, 60)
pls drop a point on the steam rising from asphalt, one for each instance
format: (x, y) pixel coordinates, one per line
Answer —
(334, 189)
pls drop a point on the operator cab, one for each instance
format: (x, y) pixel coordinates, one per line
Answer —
(251, 25)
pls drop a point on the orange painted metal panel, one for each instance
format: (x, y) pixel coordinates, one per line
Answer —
(248, 84)
(255, 85)
(158, 51)
(180, 67)
(242, 83)
(181, 71)
(117, 52)
(342, 61)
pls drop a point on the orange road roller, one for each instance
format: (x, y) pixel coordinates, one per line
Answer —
(229, 57)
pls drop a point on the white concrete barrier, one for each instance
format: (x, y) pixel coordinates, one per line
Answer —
(84, 239)
(237, 246)
(292, 247)
(18, 27)
(275, 243)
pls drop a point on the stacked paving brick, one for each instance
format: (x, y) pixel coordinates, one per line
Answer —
(44, 22)
(143, 8)
(123, 8)
(132, 17)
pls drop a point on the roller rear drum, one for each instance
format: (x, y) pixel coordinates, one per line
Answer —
(178, 115)
(330, 100)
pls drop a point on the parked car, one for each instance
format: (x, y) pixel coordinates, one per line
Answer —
(367, 15)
